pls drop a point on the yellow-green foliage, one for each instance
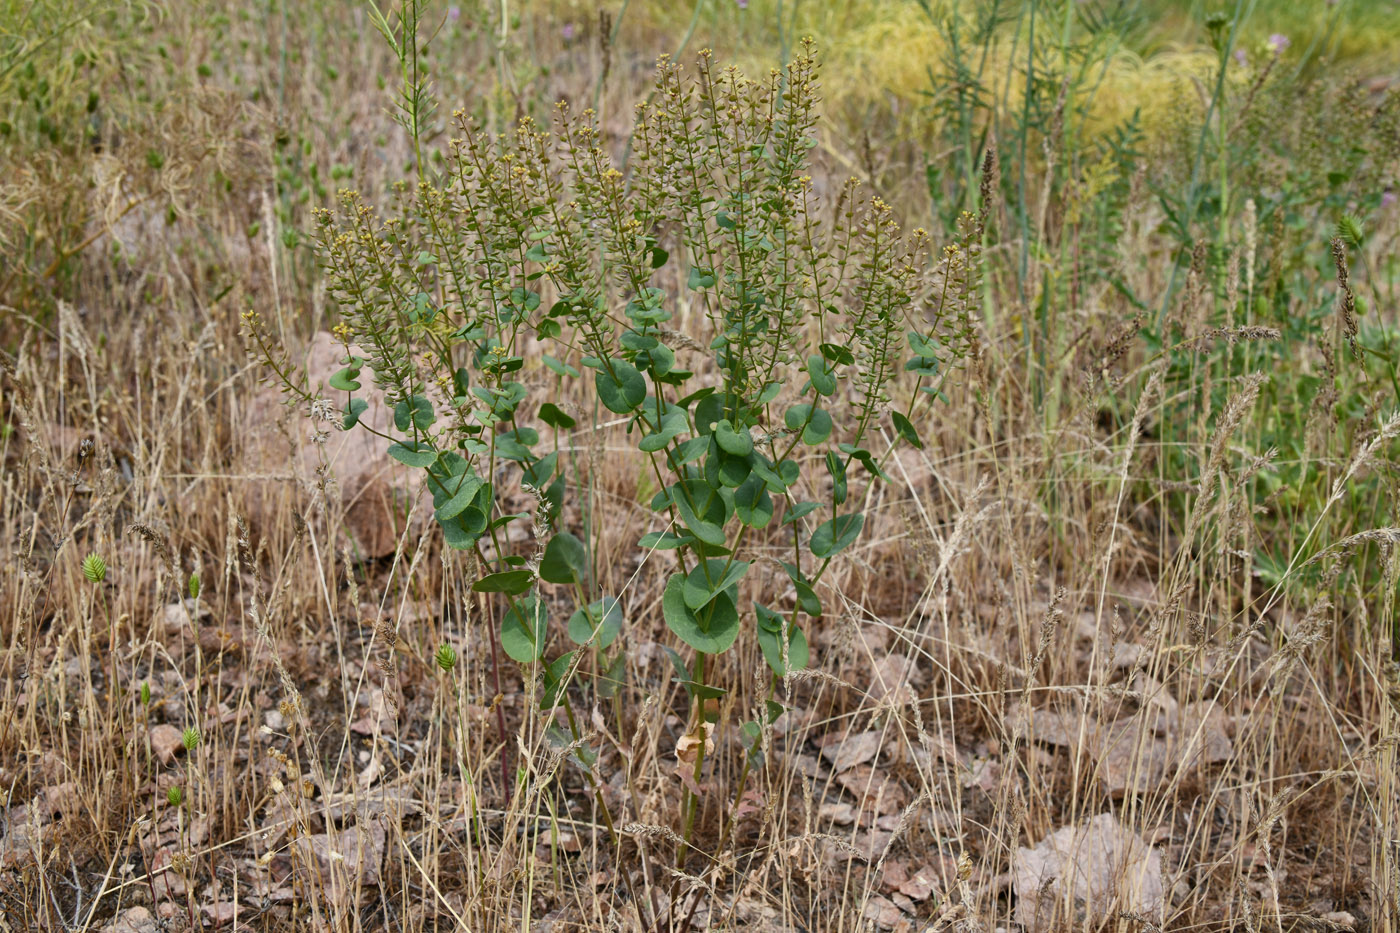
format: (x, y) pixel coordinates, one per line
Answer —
(880, 55)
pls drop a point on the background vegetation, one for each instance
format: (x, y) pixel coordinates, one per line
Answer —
(1136, 558)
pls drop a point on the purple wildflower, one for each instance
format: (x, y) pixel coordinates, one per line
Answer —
(1388, 198)
(567, 31)
(1241, 57)
(1277, 43)
(454, 13)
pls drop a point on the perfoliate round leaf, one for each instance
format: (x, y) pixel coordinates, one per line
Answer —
(345, 379)
(709, 578)
(603, 616)
(837, 534)
(739, 443)
(710, 630)
(565, 559)
(772, 645)
(523, 629)
(623, 388)
(513, 582)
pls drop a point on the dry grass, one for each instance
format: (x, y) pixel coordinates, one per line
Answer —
(1048, 618)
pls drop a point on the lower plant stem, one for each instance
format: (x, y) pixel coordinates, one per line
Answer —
(607, 814)
(692, 800)
(506, 785)
(690, 803)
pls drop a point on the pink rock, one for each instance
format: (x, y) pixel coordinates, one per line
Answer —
(166, 742)
(1096, 871)
(220, 914)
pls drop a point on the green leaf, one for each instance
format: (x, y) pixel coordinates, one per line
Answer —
(558, 367)
(613, 677)
(923, 346)
(659, 257)
(728, 470)
(450, 466)
(621, 390)
(457, 504)
(353, 411)
(565, 560)
(635, 340)
(673, 424)
(664, 540)
(416, 411)
(524, 298)
(413, 453)
(688, 451)
(554, 673)
(603, 616)
(867, 459)
(552, 415)
(795, 418)
(799, 510)
(818, 429)
(700, 589)
(687, 680)
(763, 469)
(509, 447)
(771, 641)
(838, 354)
(814, 423)
(711, 630)
(837, 468)
(905, 429)
(708, 411)
(807, 599)
(822, 374)
(541, 471)
(513, 582)
(554, 495)
(345, 379)
(523, 628)
(834, 536)
(752, 503)
(700, 278)
(739, 443)
(458, 536)
(701, 510)
(750, 735)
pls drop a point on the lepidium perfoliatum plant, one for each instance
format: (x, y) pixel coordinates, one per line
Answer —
(756, 420)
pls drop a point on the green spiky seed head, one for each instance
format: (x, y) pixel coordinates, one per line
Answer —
(191, 739)
(94, 568)
(194, 586)
(145, 693)
(174, 796)
(446, 658)
(1350, 231)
